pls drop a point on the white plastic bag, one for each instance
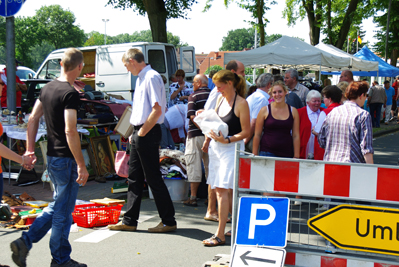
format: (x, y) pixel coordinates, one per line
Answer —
(208, 120)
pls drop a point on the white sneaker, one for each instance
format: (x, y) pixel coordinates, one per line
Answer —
(323, 207)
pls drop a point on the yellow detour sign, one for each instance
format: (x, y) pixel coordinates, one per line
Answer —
(361, 228)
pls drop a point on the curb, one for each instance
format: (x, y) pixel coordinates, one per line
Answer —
(384, 132)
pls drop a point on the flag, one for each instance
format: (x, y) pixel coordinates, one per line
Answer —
(359, 39)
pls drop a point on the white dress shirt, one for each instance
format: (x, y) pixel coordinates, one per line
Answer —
(149, 90)
(313, 116)
(256, 101)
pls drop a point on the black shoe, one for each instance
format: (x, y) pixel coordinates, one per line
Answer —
(71, 263)
(19, 252)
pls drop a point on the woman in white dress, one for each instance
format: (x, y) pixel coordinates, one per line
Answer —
(233, 109)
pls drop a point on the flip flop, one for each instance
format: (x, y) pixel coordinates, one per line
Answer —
(211, 217)
(213, 241)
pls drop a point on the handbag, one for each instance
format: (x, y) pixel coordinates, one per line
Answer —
(122, 163)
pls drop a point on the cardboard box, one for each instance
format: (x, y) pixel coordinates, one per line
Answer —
(124, 127)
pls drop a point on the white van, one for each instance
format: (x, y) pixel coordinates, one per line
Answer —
(104, 70)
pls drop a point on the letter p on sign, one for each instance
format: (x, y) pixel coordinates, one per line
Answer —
(254, 222)
(262, 221)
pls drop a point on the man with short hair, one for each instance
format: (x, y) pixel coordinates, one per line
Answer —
(346, 76)
(376, 99)
(291, 80)
(389, 91)
(234, 66)
(148, 112)
(195, 138)
(257, 100)
(59, 103)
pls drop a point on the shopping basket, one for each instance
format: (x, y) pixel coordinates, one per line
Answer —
(92, 215)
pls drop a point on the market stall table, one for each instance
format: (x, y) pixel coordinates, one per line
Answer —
(20, 134)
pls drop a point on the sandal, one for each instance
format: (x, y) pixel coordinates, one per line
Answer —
(213, 241)
(211, 217)
(228, 233)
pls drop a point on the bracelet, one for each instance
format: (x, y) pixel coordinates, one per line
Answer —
(23, 160)
(228, 139)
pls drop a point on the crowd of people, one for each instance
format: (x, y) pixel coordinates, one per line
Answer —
(281, 118)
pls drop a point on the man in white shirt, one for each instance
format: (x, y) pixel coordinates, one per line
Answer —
(257, 100)
(148, 112)
(234, 66)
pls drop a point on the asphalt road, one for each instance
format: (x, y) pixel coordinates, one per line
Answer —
(386, 149)
(99, 247)
(124, 249)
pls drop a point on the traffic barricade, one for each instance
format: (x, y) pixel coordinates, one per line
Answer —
(362, 220)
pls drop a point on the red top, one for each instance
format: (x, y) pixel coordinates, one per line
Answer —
(4, 93)
(305, 129)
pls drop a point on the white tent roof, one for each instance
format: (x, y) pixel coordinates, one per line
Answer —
(288, 52)
(357, 64)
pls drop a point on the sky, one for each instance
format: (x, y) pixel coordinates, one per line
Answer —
(204, 31)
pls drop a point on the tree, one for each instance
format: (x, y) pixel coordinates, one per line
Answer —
(96, 38)
(237, 40)
(38, 53)
(257, 8)
(332, 18)
(214, 67)
(56, 26)
(393, 34)
(158, 12)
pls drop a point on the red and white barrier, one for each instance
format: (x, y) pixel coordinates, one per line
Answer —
(318, 178)
(308, 260)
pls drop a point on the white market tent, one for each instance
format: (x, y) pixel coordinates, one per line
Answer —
(357, 64)
(288, 52)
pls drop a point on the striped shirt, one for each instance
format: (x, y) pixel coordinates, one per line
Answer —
(196, 101)
(347, 134)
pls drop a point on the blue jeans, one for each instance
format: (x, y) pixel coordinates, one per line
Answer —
(375, 107)
(58, 215)
(267, 154)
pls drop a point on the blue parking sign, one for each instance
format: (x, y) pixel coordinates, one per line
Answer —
(10, 7)
(263, 221)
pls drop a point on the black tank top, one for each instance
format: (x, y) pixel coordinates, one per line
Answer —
(231, 119)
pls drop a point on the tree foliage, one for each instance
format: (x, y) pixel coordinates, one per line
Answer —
(239, 39)
(214, 67)
(50, 28)
(333, 18)
(257, 8)
(57, 26)
(158, 12)
(393, 34)
(96, 38)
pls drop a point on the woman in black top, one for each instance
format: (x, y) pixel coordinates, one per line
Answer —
(233, 109)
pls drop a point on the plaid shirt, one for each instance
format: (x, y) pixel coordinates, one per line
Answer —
(347, 134)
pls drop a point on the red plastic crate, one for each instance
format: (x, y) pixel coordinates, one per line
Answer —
(92, 215)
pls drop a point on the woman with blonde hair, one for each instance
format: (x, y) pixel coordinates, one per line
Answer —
(233, 109)
(277, 127)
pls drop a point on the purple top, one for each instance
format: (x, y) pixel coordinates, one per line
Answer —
(277, 138)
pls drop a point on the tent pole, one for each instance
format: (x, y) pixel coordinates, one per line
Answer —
(320, 74)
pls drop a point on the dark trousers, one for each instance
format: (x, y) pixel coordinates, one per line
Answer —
(375, 107)
(144, 164)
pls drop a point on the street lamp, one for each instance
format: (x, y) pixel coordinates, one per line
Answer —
(105, 30)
